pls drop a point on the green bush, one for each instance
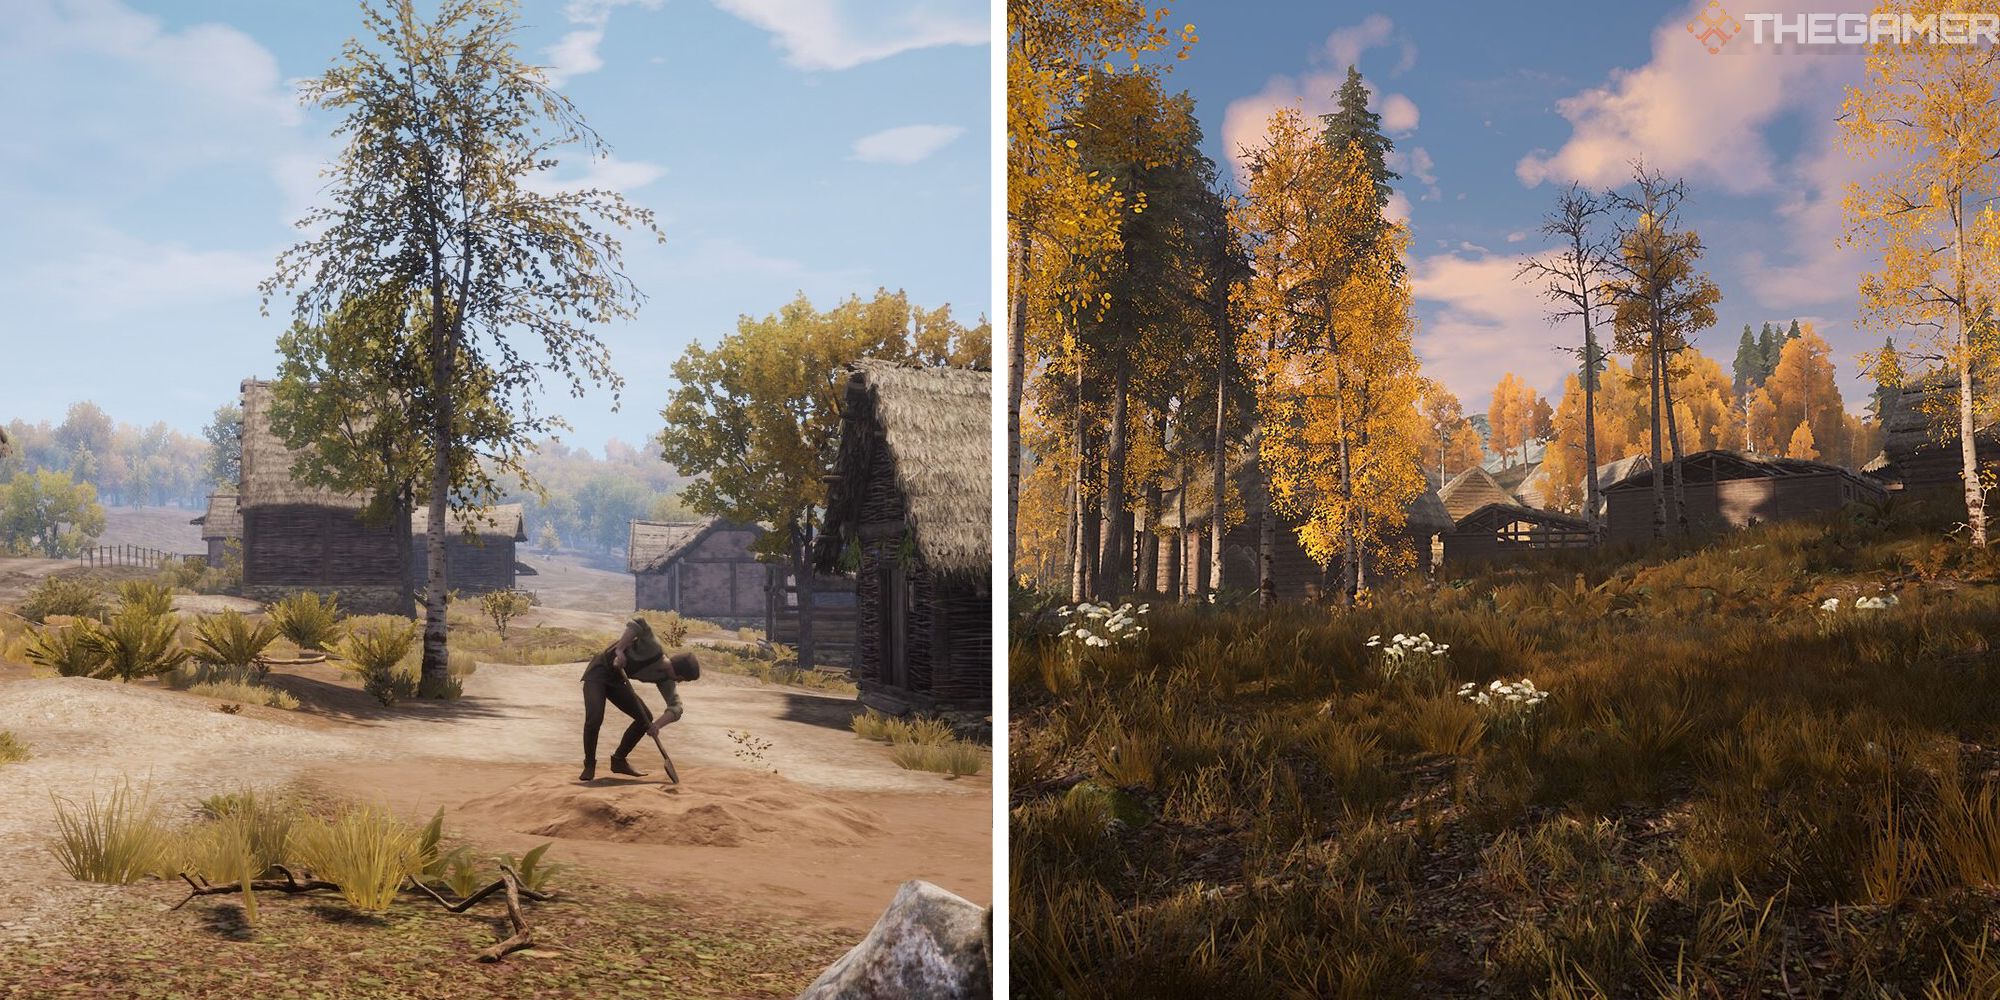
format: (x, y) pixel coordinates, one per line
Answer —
(502, 606)
(57, 595)
(534, 874)
(374, 649)
(308, 620)
(12, 750)
(70, 649)
(150, 596)
(118, 839)
(366, 851)
(185, 573)
(231, 640)
(138, 643)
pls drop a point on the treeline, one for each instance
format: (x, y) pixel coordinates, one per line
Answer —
(1191, 357)
(126, 464)
(587, 503)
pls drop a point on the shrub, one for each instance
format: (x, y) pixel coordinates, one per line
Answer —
(138, 643)
(71, 649)
(309, 621)
(12, 750)
(57, 595)
(231, 640)
(185, 573)
(117, 839)
(446, 688)
(365, 851)
(872, 725)
(374, 649)
(150, 596)
(668, 627)
(534, 874)
(245, 692)
(502, 606)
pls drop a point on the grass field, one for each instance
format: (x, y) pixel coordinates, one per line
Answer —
(1732, 788)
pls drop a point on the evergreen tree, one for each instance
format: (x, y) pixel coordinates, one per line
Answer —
(1353, 122)
(1793, 333)
(1768, 349)
(1749, 367)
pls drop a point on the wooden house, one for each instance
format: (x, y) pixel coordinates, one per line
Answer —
(1921, 452)
(1727, 489)
(221, 524)
(1472, 489)
(833, 614)
(480, 548)
(1295, 574)
(705, 569)
(298, 537)
(1501, 532)
(909, 514)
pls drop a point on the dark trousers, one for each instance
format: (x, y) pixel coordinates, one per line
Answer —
(600, 687)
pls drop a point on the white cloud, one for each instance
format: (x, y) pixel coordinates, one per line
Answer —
(1314, 91)
(1517, 236)
(1483, 322)
(904, 144)
(837, 35)
(605, 173)
(118, 274)
(1415, 165)
(1399, 113)
(1687, 112)
(575, 53)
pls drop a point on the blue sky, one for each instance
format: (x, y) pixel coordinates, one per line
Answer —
(1494, 107)
(152, 159)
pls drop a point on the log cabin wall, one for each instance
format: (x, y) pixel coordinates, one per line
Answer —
(288, 548)
(719, 578)
(470, 567)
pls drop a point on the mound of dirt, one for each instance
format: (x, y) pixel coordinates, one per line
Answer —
(711, 808)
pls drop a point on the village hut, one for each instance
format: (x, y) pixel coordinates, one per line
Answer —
(909, 513)
(299, 537)
(479, 548)
(1503, 532)
(1727, 489)
(1472, 489)
(1921, 450)
(1514, 479)
(710, 569)
(220, 525)
(833, 613)
(1295, 575)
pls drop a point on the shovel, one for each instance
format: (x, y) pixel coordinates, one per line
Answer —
(672, 775)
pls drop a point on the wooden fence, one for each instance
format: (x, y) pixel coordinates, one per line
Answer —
(131, 555)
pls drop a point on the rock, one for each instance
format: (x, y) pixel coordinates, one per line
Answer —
(929, 945)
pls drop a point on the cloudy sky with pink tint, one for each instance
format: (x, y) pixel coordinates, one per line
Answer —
(1495, 107)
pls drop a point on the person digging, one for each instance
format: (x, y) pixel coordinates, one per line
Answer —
(636, 656)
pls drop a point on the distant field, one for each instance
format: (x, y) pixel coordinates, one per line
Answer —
(568, 581)
(163, 528)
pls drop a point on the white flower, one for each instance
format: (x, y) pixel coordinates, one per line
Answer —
(1097, 641)
(1830, 604)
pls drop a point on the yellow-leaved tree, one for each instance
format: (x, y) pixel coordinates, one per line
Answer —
(1933, 112)
(1338, 382)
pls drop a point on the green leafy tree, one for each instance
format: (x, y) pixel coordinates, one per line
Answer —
(434, 196)
(49, 513)
(757, 417)
(224, 434)
(1748, 369)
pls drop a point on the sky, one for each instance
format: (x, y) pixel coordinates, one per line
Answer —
(1495, 108)
(153, 158)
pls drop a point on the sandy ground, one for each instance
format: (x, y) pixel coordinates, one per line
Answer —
(821, 825)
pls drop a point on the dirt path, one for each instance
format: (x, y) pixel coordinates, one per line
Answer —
(827, 838)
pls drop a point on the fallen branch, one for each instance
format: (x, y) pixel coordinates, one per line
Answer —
(288, 885)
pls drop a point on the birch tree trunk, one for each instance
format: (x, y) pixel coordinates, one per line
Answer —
(1115, 561)
(1017, 368)
(1968, 447)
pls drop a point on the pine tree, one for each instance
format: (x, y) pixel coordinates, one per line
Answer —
(1749, 365)
(1353, 122)
(1793, 333)
(1768, 347)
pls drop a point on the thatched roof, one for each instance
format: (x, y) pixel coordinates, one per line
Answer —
(267, 462)
(651, 546)
(223, 520)
(938, 426)
(1511, 477)
(1472, 489)
(504, 520)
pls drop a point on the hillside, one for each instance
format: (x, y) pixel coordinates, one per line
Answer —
(1724, 777)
